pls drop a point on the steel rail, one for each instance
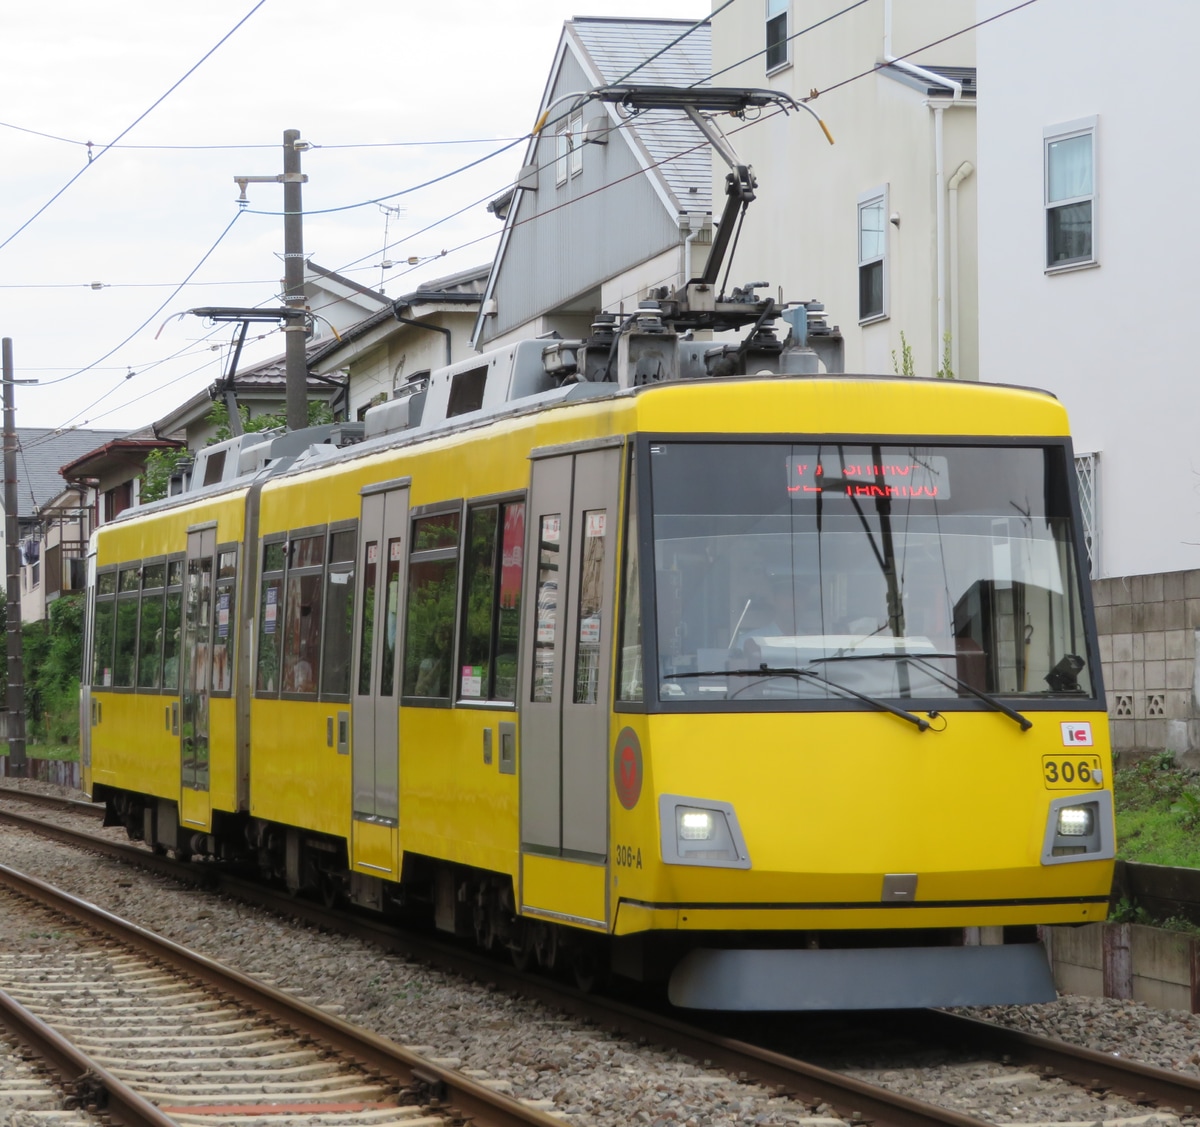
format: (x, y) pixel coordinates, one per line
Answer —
(88, 1081)
(849, 1096)
(1143, 1083)
(437, 1086)
(75, 805)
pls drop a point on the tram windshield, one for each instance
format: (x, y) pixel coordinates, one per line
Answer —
(819, 572)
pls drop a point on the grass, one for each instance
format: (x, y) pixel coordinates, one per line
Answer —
(1158, 814)
(45, 751)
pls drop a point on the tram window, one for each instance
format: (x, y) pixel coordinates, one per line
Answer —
(546, 627)
(172, 622)
(366, 645)
(591, 607)
(102, 639)
(391, 587)
(630, 679)
(225, 627)
(491, 602)
(125, 650)
(339, 615)
(106, 583)
(479, 590)
(302, 615)
(270, 618)
(429, 621)
(150, 639)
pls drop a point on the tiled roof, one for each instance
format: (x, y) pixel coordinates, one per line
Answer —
(42, 452)
(614, 47)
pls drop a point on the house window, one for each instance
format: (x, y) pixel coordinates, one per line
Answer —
(872, 255)
(1070, 194)
(568, 148)
(1086, 474)
(777, 34)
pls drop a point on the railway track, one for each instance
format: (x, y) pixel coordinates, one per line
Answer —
(854, 1099)
(153, 1034)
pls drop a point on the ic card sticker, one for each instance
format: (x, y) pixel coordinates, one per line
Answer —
(1077, 733)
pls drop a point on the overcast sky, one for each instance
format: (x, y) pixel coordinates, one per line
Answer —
(376, 86)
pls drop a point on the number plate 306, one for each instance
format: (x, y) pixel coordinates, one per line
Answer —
(1071, 772)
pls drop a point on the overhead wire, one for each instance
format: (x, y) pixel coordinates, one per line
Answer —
(764, 117)
(92, 158)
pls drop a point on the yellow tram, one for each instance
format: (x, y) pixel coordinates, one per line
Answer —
(781, 688)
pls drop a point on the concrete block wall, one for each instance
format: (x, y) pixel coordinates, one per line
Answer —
(1148, 627)
(1112, 960)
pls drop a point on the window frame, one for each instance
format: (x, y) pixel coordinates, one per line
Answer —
(1087, 482)
(159, 592)
(232, 585)
(102, 598)
(301, 572)
(776, 11)
(878, 195)
(501, 503)
(265, 574)
(568, 148)
(339, 567)
(1065, 131)
(415, 556)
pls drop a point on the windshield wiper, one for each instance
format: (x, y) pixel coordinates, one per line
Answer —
(768, 671)
(922, 660)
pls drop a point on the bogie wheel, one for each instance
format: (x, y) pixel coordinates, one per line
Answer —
(545, 944)
(589, 967)
(521, 947)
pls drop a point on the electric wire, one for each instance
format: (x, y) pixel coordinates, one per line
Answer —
(140, 118)
(165, 303)
(844, 82)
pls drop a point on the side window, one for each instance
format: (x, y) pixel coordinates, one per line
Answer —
(429, 621)
(150, 627)
(631, 604)
(592, 612)
(225, 628)
(302, 606)
(270, 617)
(339, 614)
(1070, 194)
(492, 568)
(546, 629)
(367, 643)
(872, 255)
(173, 620)
(777, 34)
(103, 629)
(125, 655)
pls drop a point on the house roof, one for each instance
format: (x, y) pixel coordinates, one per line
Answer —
(266, 380)
(674, 154)
(613, 48)
(128, 450)
(462, 288)
(41, 452)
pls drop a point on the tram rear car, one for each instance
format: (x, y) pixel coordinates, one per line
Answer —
(785, 690)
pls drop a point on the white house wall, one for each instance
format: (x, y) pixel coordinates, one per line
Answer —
(1116, 343)
(801, 232)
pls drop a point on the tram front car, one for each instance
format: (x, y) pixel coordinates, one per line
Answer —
(859, 686)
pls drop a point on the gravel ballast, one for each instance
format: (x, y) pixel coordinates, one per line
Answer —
(560, 1063)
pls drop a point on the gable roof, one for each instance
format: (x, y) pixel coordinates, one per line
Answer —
(41, 454)
(608, 51)
(611, 49)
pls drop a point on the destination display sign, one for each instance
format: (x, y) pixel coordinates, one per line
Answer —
(925, 478)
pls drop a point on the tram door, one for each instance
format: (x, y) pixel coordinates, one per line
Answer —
(566, 685)
(194, 799)
(375, 735)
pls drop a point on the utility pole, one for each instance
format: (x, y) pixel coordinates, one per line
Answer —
(16, 669)
(295, 329)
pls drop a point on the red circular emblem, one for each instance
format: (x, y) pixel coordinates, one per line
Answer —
(627, 768)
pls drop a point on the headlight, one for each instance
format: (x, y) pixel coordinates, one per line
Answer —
(1075, 821)
(695, 825)
(697, 831)
(1079, 829)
